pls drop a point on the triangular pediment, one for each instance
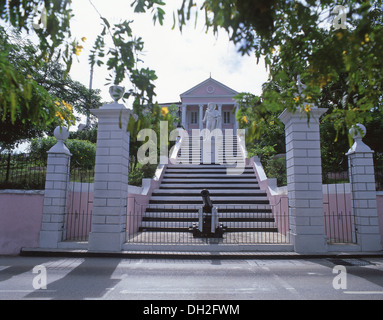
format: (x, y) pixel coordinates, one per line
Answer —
(210, 87)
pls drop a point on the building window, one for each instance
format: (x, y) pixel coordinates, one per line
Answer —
(194, 117)
(226, 117)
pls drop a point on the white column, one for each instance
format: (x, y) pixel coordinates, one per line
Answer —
(236, 124)
(111, 179)
(184, 110)
(55, 196)
(201, 116)
(220, 112)
(304, 181)
(363, 192)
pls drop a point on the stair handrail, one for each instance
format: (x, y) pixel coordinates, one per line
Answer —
(242, 143)
(177, 147)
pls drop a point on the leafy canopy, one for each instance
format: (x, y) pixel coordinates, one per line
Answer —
(340, 69)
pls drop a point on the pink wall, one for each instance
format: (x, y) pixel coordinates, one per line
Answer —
(339, 221)
(79, 215)
(21, 216)
(337, 211)
(379, 200)
(279, 203)
(136, 210)
(20, 221)
(137, 204)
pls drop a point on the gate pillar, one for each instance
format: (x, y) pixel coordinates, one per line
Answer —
(55, 196)
(304, 180)
(363, 192)
(108, 231)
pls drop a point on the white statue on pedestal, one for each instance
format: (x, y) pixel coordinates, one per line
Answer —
(212, 117)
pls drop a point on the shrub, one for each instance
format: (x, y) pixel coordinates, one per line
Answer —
(276, 168)
(136, 175)
(83, 152)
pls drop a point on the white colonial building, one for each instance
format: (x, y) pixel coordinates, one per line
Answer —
(194, 103)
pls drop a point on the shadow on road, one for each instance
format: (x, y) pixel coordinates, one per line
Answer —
(86, 281)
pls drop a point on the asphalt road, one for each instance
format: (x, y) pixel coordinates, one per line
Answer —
(192, 280)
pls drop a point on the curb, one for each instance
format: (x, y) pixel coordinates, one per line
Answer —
(63, 253)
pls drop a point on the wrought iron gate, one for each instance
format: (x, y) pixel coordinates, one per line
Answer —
(79, 205)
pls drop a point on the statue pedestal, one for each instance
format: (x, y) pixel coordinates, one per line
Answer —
(208, 154)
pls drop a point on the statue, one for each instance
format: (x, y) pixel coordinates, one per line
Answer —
(212, 117)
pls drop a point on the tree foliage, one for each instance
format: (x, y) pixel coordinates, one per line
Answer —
(83, 152)
(50, 20)
(341, 69)
(45, 97)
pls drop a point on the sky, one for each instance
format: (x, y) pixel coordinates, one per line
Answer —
(181, 60)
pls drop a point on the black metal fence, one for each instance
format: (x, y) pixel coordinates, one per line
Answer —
(22, 171)
(379, 179)
(335, 177)
(378, 166)
(338, 213)
(79, 204)
(260, 224)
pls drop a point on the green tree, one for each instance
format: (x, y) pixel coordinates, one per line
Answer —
(83, 152)
(296, 38)
(44, 83)
(299, 38)
(50, 20)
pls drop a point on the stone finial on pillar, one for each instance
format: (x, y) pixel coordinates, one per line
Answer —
(358, 132)
(363, 192)
(55, 195)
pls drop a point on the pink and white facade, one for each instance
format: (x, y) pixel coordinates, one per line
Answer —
(39, 219)
(194, 104)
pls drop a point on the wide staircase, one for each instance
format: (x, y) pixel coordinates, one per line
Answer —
(243, 208)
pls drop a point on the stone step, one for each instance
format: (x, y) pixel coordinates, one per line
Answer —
(203, 171)
(223, 150)
(222, 208)
(224, 216)
(229, 230)
(217, 176)
(197, 161)
(187, 224)
(212, 180)
(219, 156)
(211, 186)
(216, 200)
(202, 166)
(215, 193)
(207, 145)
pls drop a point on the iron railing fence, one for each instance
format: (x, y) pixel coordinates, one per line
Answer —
(22, 171)
(79, 211)
(335, 177)
(379, 179)
(258, 224)
(378, 167)
(338, 213)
